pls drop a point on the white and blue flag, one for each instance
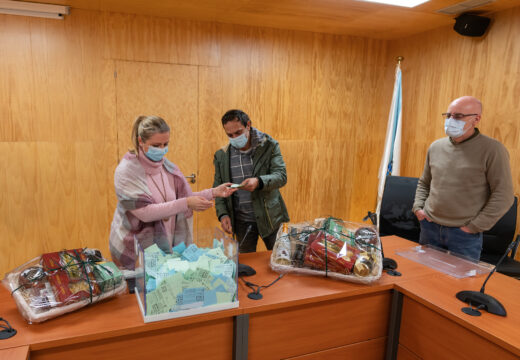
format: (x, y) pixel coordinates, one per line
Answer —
(391, 160)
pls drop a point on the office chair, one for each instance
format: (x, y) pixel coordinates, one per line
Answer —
(396, 218)
(497, 239)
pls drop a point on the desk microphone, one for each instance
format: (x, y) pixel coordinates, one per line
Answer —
(389, 265)
(244, 270)
(481, 300)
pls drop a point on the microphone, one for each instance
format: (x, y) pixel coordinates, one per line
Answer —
(390, 265)
(244, 270)
(482, 300)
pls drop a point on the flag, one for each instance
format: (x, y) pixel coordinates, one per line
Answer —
(391, 160)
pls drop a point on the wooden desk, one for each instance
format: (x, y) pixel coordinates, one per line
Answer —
(16, 353)
(300, 317)
(433, 325)
(311, 317)
(114, 329)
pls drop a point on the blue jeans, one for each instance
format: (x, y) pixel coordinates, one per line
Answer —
(451, 238)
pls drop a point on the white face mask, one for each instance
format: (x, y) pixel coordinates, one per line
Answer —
(454, 128)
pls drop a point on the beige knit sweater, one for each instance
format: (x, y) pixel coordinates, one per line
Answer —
(466, 184)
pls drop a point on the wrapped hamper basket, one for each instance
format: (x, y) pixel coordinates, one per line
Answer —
(329, 247)
(60, 282)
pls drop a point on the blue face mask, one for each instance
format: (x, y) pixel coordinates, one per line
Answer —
(239, 142)
(155, 153)
(454, 128)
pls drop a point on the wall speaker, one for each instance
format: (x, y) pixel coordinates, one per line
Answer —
(471, 25)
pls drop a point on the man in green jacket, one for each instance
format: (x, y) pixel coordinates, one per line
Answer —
(253, 161)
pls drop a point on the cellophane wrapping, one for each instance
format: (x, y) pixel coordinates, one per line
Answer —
(329, 247)
(56, 283)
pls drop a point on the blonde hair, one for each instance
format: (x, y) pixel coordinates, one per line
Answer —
(146, 126)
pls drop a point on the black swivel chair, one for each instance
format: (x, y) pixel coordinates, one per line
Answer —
(396, 218)
(498, 238)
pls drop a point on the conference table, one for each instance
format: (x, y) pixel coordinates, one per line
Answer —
(413, 316)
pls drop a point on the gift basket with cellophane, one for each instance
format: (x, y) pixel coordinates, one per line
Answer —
(329, 247)
(56, 283)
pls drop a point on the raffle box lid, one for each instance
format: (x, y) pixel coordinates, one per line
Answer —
(188, 281)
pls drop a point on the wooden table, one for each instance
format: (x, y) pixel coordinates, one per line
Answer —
(311, 317)
(299, 317)
(433, 325)
(114, 329)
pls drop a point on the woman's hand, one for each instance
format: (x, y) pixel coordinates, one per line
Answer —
(198, 203)
(223, 190)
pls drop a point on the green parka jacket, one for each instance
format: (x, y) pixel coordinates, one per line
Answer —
(268, 165)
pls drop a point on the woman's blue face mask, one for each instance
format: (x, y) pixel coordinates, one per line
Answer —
(155, 153)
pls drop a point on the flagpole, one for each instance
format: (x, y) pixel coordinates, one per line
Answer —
(393, 139)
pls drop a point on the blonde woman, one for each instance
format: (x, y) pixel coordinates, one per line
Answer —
(155, 202)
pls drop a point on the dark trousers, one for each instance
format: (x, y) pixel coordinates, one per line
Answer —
(247, 237)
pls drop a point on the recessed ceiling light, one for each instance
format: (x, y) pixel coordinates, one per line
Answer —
(405, 3)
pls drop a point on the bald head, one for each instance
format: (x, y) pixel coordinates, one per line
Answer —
(466, 105)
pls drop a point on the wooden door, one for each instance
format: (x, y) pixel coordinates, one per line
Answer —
(166, 90)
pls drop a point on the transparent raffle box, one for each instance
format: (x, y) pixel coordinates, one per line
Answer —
(188, 281)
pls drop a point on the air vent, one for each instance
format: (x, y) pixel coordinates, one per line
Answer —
(463, 6)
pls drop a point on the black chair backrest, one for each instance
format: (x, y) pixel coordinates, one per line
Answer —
(497, 239)
(396, 216)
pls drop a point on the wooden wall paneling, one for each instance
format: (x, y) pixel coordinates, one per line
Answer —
(20, 218)
(211, 138)
(154, 39)
(110, 148)
(286, 84)
(92, 200)
(242, 57)
(16, 83)
(194, 43)
(56, 132)
(57, 199)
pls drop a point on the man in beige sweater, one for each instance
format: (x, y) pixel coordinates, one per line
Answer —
(466, 185)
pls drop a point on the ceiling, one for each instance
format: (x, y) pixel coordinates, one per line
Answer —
(344, 17)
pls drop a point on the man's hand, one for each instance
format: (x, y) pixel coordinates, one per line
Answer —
(198, 203)
(250, 184)
(466, 230)
(223, 190)
(421, 215)
(225, 222)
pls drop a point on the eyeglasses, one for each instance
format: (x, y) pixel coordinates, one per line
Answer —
(456, 116)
